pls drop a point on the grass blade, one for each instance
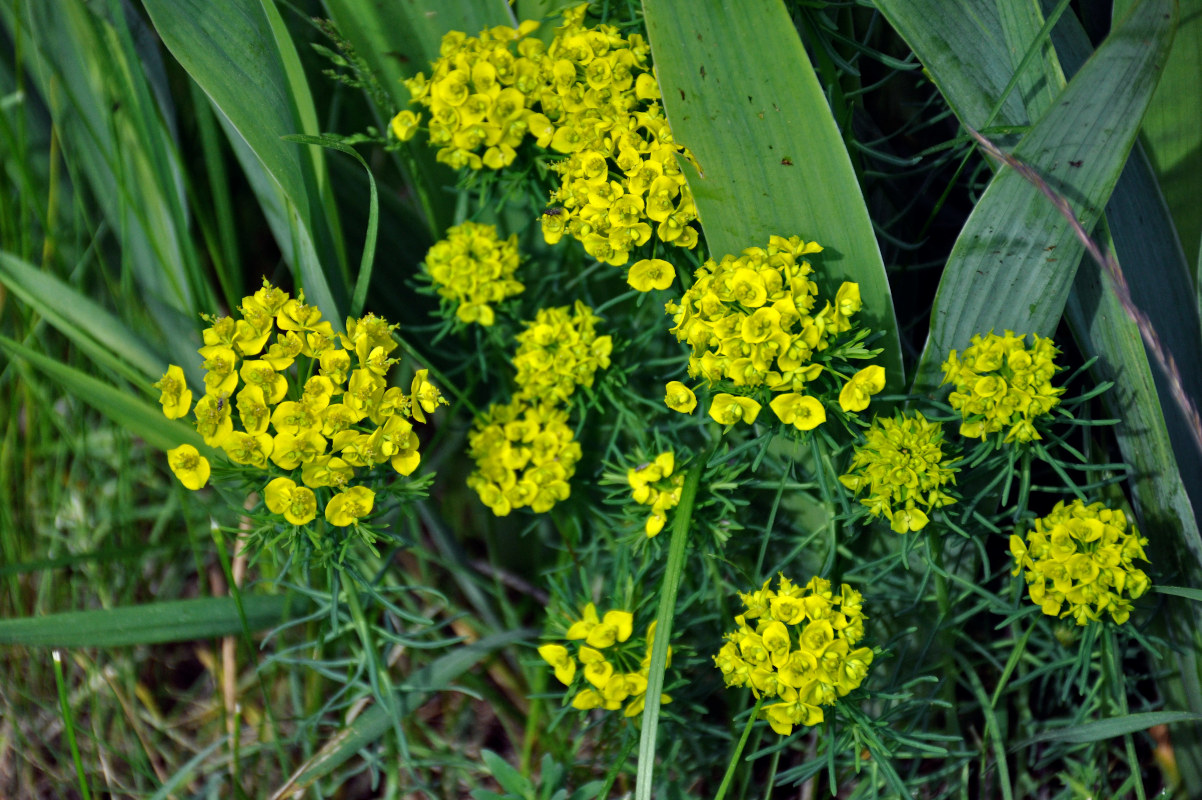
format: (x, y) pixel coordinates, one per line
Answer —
(741, 94)
(152, 623)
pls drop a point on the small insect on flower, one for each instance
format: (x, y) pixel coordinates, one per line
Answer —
(553, 212)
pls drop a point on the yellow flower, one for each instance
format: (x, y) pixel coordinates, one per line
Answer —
(348, 507)
(862, 386)
(802, 411)
(424, 396)
(651, 273)
(561, 660)
(176, 397)
(189, 466)
(404, 125)
(727, 409)
(298, 504)
(680, 397)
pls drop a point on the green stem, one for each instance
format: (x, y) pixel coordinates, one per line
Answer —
(734, 757)
(69, 724)
(673, 574)
(947, 642)
(1112, 670)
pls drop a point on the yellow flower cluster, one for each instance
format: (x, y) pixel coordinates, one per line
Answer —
(799, 651)
(901, 467)
(480, 97)
(587, 95)
(559, 351)
(473, 268)
(313, 404)
(654, 484)
(1000, 384)
(1081, 556)
(606, 656)
(525, 455)
(749, 323)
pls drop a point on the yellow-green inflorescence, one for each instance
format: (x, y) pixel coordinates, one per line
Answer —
(796, 647)
(1002, 385)
(1078, 562)
(751, 325)
(656, 484)
(588, 95)
(310, 406)
(900, 468)
(473, 268)
(525, 451)
(613, 665)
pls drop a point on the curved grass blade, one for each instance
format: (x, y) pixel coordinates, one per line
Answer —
(1103, 729)
(741, 94)
(363, 280)
(373, 723)
(239, 54)
(152, 623)
(1013, 264)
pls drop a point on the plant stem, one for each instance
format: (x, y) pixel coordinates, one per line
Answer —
(673, 574)
(1112, 671)
(734, 757)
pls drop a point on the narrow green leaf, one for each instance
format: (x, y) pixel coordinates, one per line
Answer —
(373, 723)
(359, 298)
(741, 94)
(1013, 264)
(1041, 80)
(129, 411)
(78, 317)
(1103, 729)
(1180, 591)
(152, 623)
(509, 778)
(239, 54)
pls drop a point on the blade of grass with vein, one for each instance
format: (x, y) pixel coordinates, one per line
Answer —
(1013, 263)
(1172, 127)
(151, 623)
(741, 94)
(246, 65)
(91, 327)
(138, 416)
(368, 727)
(1103, 729)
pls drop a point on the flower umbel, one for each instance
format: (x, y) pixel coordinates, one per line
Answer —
(900, 467)
(796, 644)
(473, 268)
(1077, 561)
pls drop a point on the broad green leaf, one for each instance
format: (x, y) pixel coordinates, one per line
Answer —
(1103, 729)
(1041, 80)
(368, 727)
(127, 410)
(91, 327)
(1172, 127)
(152, 623)
(237, 51)
(1013, 263)
(398, 40)
(741, 94)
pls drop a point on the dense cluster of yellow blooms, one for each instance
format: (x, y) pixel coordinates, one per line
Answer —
(314, 406)
(1000, 384)
(656, 484)
(797, 648)
(901, 467)
(588, 95)
(1079, 558)
(614, 666)
(473, 268)
(525, 455)
(559, 351)
(749, 322)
